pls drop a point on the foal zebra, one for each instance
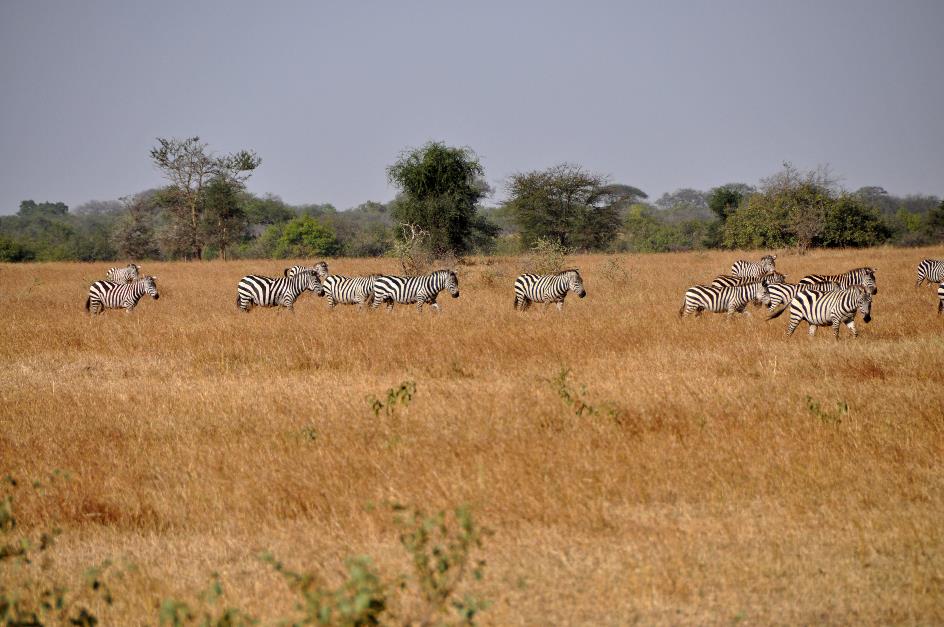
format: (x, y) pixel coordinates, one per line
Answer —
(859, 276)
(111, 295)
(727, 280)
(123, 275)
(930, 270)
(320, 269)
(349, 290)
(828, 308)
(746, 268)
(783, 293)
(265, 291)
(547, 288)
(723, 299)
(414, 289)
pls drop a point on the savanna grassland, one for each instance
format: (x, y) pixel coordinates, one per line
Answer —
(723, 471)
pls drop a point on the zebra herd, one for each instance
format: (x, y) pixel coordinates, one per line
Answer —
(818, 299)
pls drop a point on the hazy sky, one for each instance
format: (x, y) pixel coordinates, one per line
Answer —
(659, 95)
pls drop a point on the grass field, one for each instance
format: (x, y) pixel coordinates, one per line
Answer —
(729, 473)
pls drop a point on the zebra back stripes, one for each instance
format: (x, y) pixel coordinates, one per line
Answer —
(858, 276)
(422, 289)
(266, 291)
(349, 290)
(547, 288)
(727, 280)
(745, 268)
(123, 275)
(930, 270)
(112, 295)
(828, 309)
(783, 293)
(320, 269)
(728, 300)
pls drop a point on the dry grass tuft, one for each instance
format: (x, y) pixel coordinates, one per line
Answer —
(696, 471)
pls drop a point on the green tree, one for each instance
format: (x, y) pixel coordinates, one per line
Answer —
(935, 223)
(440, 187)
(849, 222)
(724, 200)
(12, 250)
(190, 166)
(568, 205)
(223, 218)
(303, 237)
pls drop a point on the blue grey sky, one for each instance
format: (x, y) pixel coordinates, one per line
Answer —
(660, 95)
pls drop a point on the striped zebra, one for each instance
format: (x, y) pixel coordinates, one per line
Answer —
(320, 269)
(414, 289)
(111, 295)
(266, 291)
(783, 293)
(547, 288)
(723, 299)
(746, 268)
(349, 290)
(728, 280)
(828, 309)
(859, 276)
(930, 270)
(123, 275)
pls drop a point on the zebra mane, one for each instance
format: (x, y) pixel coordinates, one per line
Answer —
(568, 270)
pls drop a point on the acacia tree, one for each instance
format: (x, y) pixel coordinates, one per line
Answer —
(440, 187)
(568, 205)
(190, 166)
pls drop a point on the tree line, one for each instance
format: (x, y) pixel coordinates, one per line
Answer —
(205, 212)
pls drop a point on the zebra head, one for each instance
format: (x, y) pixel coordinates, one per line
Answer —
(150, 286)
(773, 277)
(868, 280)
(452, 283)
(767, 263)
(135, 267)
(575, 283)
(760, 295)
(321, 270)
(864, 303)
(312, 282)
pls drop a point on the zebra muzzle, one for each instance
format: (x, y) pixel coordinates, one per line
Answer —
(867, 318)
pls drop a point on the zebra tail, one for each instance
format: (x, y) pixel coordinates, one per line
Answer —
(682, 308)
(88, 303)
(776, 314)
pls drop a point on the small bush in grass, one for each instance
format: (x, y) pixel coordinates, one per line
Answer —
(396, 397)
(546, 257)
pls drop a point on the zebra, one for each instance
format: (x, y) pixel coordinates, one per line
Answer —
(746, 268)
(123, 275)
(269, 292)
(547, 288)
(349, 290)
(783, 293)
(940, 298)
(828, 308)
(414, 289)
(723, 299)
(727, 280)
(859, 276)
(112, 295)
(930, 270)
(320, 269)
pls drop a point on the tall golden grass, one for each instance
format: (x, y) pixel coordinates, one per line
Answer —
(720, 479)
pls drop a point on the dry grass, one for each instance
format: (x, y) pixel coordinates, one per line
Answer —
(706, 490)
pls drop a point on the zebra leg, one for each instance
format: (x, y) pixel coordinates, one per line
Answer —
(560, 304)
(812, 330)
(852, 328)
(794, 323)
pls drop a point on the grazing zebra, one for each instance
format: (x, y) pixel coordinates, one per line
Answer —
(414, 289)
(783, 293)
(268, 292)
(320, 269)
(547, 288)
(746, 268)
(727, 280)
(930, 270)
(828, 308)
(349, 290)
(111, 295)
(859, 276)
(723, 299)
(123, 275)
